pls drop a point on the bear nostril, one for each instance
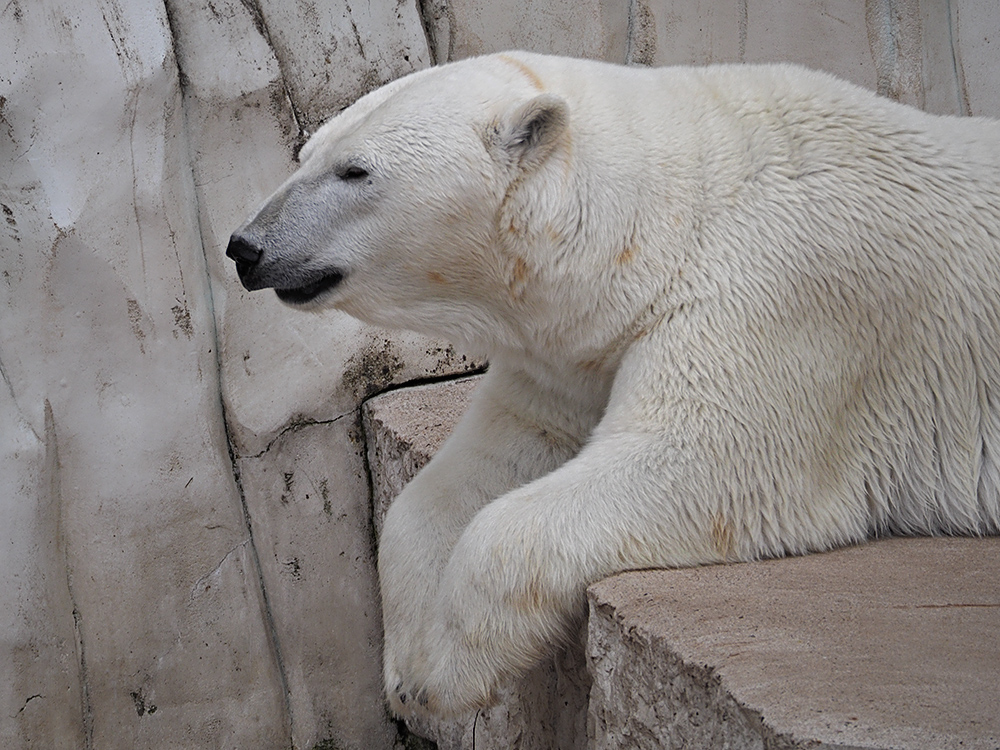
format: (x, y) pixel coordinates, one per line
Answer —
(242, 251)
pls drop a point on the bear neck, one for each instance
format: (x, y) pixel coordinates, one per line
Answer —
(582, 269)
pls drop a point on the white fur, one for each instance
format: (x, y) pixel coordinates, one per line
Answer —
(731, 313)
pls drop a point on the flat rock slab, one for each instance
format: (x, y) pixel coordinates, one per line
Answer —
(404, 429)
(894, 644)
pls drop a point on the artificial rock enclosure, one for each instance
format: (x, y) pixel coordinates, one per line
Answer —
(187, 551)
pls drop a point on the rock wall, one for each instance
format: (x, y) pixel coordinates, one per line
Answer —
(187, 547)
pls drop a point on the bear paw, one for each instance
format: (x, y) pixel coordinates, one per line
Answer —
(485, 626)
(450, 680)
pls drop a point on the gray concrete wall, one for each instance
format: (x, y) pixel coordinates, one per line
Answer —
(187, 550)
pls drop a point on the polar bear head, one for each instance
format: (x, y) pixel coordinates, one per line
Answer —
(395, 214)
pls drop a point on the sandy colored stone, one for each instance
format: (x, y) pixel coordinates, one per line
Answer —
(894, 644)
(404, 429)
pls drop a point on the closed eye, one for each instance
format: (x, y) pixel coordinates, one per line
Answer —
(353, 173)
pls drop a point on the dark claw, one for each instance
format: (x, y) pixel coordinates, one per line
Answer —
(402, 696)
(422, 698)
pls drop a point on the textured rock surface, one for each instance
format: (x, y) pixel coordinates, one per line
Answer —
(894, 644)
(587, 28)
(404, 429)
(108, 352)
(157, 591)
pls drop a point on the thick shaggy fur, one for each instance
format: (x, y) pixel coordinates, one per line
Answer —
(731, 313)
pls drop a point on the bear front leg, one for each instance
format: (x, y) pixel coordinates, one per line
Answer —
(500, 444)
(515, 583)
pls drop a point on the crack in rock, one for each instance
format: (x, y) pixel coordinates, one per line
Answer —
(296, 424)
(30, 698)
(202, 585)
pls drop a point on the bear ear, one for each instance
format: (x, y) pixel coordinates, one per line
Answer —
(533, 129)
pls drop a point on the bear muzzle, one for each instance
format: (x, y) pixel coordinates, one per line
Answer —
(291, 288)
(300, 295)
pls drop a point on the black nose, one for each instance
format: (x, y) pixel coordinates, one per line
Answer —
(244, 252)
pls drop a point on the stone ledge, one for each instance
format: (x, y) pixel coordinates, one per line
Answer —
(894, 644)
(403, 429)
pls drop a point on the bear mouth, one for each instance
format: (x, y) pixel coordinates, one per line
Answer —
(307, 293)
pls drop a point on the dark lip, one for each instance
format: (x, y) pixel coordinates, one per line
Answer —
(307, 293)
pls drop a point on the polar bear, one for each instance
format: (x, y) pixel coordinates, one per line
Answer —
(731, 313)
